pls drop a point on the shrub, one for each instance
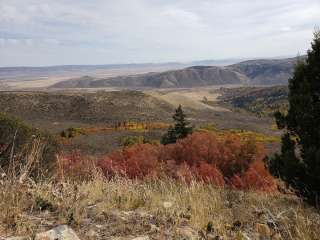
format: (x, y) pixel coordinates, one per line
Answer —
(71, 132)
(201, 156)
(129, 141)
(22, 146)
(139, 161)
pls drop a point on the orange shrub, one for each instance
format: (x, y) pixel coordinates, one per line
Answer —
(226, 160)
(220, 160)
(255, 178)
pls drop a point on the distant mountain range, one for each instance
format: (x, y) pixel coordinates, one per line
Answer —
(252, 72)
(65, 70)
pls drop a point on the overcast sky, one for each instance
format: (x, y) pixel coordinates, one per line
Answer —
(54, 32)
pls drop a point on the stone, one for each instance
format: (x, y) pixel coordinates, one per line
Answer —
(62, 232)
(141, 238)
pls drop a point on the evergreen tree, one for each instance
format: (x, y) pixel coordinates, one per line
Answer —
(180, 129)
(299, 161)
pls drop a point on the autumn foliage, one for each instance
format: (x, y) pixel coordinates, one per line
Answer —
(223, 161)
(75, 167)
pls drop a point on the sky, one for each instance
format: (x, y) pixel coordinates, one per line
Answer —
(60, 32)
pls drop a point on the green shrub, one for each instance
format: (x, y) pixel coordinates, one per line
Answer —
(129, 141)
(18, 143)
(71, 132)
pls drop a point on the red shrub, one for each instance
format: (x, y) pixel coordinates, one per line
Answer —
(206, 157)
(209, 174)
(75, 166)
(138, 161)
(255, 178)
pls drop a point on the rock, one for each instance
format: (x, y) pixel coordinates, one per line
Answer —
(61, 232)
(187, 233)
(141, 238)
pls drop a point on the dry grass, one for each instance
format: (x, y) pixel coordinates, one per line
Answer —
(22, 205)
(191, 98)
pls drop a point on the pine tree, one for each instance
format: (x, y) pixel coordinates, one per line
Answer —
(299, 161)
(180, 129)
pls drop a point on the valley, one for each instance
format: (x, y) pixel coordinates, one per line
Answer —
(103, 109)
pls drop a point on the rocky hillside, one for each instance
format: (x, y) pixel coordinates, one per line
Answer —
(255, 72)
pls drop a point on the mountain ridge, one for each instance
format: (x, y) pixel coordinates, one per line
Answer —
(251, 72)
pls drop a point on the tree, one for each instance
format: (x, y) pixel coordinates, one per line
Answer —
(299, 161)
(180, 129)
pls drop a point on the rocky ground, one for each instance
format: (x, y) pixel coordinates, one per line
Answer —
(140, 225)
(127, 210)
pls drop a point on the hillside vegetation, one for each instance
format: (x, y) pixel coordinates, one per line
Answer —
(108, 107)
(25, 150)
(258, 100)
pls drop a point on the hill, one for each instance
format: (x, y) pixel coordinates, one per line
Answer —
(259, 100)
(266, 72)
(185, 78)
(254, 72)
(106, 107)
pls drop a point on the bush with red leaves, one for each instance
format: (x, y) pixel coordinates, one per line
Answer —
(75, 167)
(219, 160)
(223, 161)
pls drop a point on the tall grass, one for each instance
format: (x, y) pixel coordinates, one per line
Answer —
(74, 202)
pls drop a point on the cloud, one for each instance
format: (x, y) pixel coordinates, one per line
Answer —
(104, 31)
